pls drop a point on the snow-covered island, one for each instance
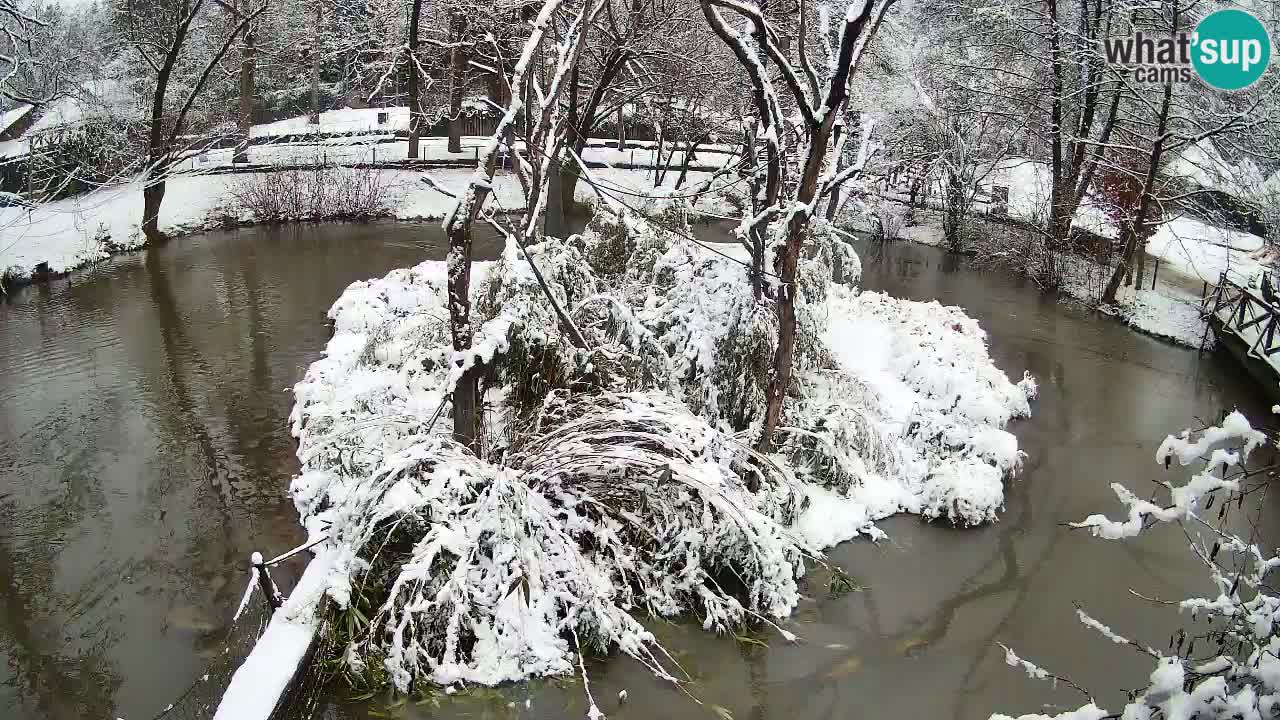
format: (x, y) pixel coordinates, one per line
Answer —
(618, 479)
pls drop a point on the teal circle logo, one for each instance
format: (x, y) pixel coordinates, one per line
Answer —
(1232, 49)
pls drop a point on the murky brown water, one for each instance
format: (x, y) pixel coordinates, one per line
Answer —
(144, 453)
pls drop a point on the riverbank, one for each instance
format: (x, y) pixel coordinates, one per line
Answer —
(53, 239)
(1183, 257)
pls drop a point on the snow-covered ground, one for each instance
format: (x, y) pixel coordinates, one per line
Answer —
(1203, 252)
(1184, 253)
(1169, 311)
(73, 232)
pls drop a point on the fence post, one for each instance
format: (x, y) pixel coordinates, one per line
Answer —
(1155, 272)
(274, 601)
(375, 155)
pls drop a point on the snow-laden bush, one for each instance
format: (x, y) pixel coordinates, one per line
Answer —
(617, 478)
(609, 244)
(624, 502)
(909, 394)
(887, 222)
(1236, 673)
(719, 339)
(317, 192)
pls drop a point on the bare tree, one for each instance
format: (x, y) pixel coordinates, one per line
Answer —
(544, 145)
(19, 25)
(246, 86)
(457, 77)
(415, 75)
(1042, 63)
(632, 57)
(819, 104)
(1159, 123)
(161, 32)
(315, 57)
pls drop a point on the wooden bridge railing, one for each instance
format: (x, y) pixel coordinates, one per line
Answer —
(1242, 311)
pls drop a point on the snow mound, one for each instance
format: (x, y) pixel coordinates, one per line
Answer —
(928, 387)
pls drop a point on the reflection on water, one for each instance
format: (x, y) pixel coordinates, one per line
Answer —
(144, 452)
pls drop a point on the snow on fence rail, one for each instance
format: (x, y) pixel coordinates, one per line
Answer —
(262, 682)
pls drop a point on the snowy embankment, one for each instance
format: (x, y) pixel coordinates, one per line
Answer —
(1183, 255)
(68, 234)
(618, 480)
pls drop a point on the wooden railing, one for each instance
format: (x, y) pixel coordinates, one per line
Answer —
(1242, 311)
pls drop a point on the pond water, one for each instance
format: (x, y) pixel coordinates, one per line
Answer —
(144, 452)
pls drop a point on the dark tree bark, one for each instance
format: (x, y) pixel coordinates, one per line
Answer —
(1134, 232)
(833, 203)
(163, 131)
(315, 65)
(1059, 221)
(457, 78)
(466, 395)
(415, 101)
(248, 87)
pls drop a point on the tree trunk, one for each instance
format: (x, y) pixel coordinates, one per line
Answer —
(466, 395)
(833, 204)
(581, 121)
(1059, 225)
(953, 211)
(157, 154)
(786, 265)
(315, 67)
(457, 79)
(1134, 231)
(690, 154)
(152, 197)
(415, 102)
(247, 89)
(553, 223)
(622, 129)
(564, 185)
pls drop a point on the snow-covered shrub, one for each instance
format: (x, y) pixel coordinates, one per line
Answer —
(317, 192)
(617, 478)
(650, 243)
(1236, 674)
(886, 222)
(952, 451)
(608, 243)
(837, 436)
(838, 256)
(482, 572)
(720, 341)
